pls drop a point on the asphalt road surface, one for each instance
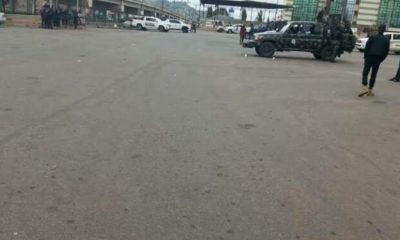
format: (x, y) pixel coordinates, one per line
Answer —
(117, 135)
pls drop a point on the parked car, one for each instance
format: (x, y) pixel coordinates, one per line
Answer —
(175, 24)
(147, 23)
(235, 28)
(2, 18)
(220, 29)
(394, 38)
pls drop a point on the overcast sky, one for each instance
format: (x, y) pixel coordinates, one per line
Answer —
(271, 13)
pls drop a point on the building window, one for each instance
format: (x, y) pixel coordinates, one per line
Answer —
(305, 10)
(389, 13)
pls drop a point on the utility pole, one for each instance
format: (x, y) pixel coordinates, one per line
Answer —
(199, 13)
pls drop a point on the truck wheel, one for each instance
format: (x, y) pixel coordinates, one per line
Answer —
(361, 50)
(267, 49)
(328, 53)
(161, 29)
(258, 50)
(230, 31)
(185, 30)
(317, 56)
(140, 27)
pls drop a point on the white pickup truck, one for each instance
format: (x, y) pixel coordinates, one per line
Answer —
(235, 28)
(394, 38)
(147, 23)
(2, 18)
(175, 24)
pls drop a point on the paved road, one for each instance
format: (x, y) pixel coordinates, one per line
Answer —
(116, 135)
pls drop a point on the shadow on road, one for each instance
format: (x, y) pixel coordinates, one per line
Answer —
(302, 58)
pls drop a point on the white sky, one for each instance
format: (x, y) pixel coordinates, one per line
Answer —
(271, 13)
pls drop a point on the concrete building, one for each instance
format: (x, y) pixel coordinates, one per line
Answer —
(362, 13)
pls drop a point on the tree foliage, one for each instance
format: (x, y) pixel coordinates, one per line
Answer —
(259, 16)
(244, 14)
(221, 11)
(209, 12)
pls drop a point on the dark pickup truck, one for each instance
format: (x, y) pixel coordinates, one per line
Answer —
(324, 42)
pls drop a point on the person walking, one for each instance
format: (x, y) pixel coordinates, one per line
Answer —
(376, 51)
(396, 78)
(194, 30)
(242, 33)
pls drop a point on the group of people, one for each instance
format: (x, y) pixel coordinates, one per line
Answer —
(56, 17)
(376, 51)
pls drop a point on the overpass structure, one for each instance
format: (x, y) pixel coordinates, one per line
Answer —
(137, 7)
(130, 7)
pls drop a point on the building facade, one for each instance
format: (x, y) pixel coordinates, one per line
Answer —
(366, 13)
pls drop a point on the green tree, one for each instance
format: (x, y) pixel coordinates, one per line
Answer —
(209, 12)
(259, 16)
(223, 11)
(244, 14)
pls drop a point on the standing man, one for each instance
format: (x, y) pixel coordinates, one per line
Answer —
(251, 33)
(376, 50)
(75, 18)
(194, 27)
(397, 77)
(242, 33)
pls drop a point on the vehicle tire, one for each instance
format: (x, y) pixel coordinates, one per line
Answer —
(220, 30)
(317, 56)
(361, 50)
(328, 54)
(140, 27)
(185, 30)
(397, 53)
(230, 31)
(161, 29)
(257, 50)
(267, 49)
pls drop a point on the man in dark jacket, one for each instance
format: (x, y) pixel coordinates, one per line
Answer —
(376, 50)
(397, 77)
